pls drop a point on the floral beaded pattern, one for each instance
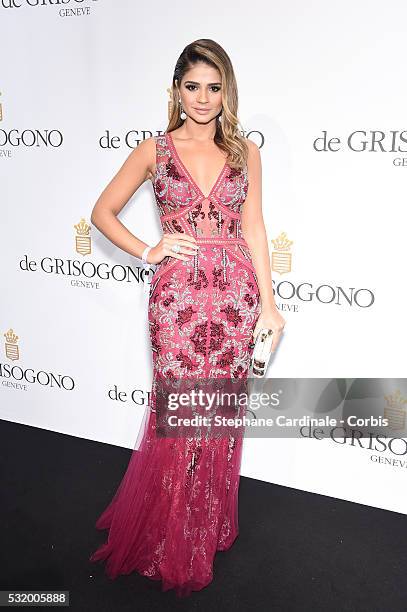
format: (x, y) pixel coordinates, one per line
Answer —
(202, 311)
(201, 320)
(178, 197)
(172, 190)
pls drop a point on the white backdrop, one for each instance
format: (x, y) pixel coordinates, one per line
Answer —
(82, 82)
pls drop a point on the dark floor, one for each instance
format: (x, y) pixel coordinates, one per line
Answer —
(295, 551)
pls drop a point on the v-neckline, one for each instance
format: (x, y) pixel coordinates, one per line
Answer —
(188, 174)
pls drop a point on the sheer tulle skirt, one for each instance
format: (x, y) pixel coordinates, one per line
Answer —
(176, 505)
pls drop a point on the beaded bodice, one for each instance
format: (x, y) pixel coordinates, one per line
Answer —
(182, 205)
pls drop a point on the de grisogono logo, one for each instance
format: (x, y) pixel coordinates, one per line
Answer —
(84, 273)
(369, 422)
(301, 292)
(366, 141)
(18, 377)
(13, 139)
(76, 8)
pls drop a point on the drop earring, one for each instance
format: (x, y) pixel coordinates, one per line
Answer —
(183, 113)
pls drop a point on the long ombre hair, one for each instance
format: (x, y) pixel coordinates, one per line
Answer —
(227, 136)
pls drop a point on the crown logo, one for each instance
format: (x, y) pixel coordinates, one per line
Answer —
(395, 410)
(83, 244)
(281, 256)
(11, 346)
(169, 92)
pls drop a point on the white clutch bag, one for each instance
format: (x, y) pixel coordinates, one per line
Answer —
(261, 352)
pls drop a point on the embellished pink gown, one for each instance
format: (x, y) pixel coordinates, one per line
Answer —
(177, 503)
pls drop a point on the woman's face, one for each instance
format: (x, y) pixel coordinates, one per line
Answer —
(200, 92)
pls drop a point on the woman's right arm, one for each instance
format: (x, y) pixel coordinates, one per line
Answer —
(138, 167)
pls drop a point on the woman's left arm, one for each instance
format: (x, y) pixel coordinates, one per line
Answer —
(254, 232)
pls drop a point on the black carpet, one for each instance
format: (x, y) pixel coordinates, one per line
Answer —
(295, 551)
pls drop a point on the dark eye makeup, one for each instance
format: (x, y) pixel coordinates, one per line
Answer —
(214, 88)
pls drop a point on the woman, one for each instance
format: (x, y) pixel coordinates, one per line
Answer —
(210, 294)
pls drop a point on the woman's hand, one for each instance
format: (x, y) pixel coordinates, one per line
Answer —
(271, 319)
(188, 244)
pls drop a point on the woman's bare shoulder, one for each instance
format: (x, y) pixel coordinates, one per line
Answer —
(252, 147)
(253, 157)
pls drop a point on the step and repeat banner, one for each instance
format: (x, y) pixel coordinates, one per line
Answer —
(322, 93)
